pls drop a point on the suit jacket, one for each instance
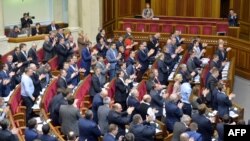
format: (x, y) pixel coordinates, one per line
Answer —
(6, 135)
(149, 85)
(62, 83)
(35, 32)
(185, 76)
(195, 135)
(216, 65)
(101, 51)
(49, 28)
(143, 59)
(54, 107)
(173, 114)
(76, 79)
(30, 134)
(96, 103)
(95, 85)
(69, 116)
(204, 126)
(63, 54)
(5, 88)
(102, 114)
(211, 83)
(130, 61)
(47, 138)
(163, 72)
(178, 42)
(143, 132)
(33, 55)
(223, 104)
(191, 66)
(24, 59)
(60, 36)
(121, 91)
(157, 102)
(86, 59)
(120, 119)
(111, 57)
(118, 44)
(109, 137)
(133, 102)
(102, 76)
(88, 130)
(48, 51)
(221, 56)
(37, 84)
(15, 57)
(220, 130)
(179, 128)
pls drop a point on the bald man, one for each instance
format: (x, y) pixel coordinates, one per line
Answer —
(97, 102)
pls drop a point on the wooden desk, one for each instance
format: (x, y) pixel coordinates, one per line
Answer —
(26, 39)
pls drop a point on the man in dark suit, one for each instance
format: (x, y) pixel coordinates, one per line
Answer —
(88, 129)
(36, 80)
(32, 54)
(143, 131)
(63, 52)
(121, 90)
(179, 39)
(45, 136)
(26, 20)
(116, 116)
(212, 79)
(133, 100)
(232, 18)
(95, 83)
(173, 112)
(23, 56)
(193, 132)
(56, 102)
(60, 34)
(119, 42)
(163, 70)
(153, 44)
(102, 114)
(215, 63)
(69, 116)
(86, 58)
(6, 78)
(191, 64)
(181, 127)
(112, 132)
(169, 60)
(5, 133)
(30, 132)
(97, 102)
(62, 82)
(204, 124)
(48, 47)
(52, 27)
(73, 69)
(224, 101)
(222, 52)
(220, 127)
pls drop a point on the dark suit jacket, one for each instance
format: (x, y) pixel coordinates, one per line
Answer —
(185, 76)
(121, 91)
(157, 102)
(5, 88)
(169, 61)
(149, 85)
(221, 57)
(101, 51)
(191, 66)
(143, 59)
(133, 102)
(120, 119)
(95, 85)
(179, 128)
(37, 84)
(63, 54)
(204, 126)
(35, 32)
(62, 83)
(143, 132)
(173, 114)
(6, 135)
(33, 55)
(47, 138)
(75, 80)
(26, 23)
(109, 137)
(15, 57)
(118, 44)
(54, 107)
(163, 72)
(48, 50)
(223, 104)
(30, 134)
(216, 65)
(211, 83)
(220, 130)
(24, 59)
(50, 29)
(97, 102)
(86, 59)
(88, 130)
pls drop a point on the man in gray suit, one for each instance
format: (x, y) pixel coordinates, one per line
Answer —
(181, 127)
(104, 68)
(69, 116)
(191, 63)
(102, 114)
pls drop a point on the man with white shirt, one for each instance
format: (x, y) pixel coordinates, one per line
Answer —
(27, 90)
(185, 94)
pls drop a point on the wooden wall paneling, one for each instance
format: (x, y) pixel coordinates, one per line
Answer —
(207, 7)
(180, 7)
(171, 7)
(136, 7)
(245, 13)
(124, 8)
(215, 8)
(190, 8)
(198, 8)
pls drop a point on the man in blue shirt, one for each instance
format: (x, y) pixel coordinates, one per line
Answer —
(27, 90)
(185, 94)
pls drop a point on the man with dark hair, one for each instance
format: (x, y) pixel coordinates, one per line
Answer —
(193, 132)
(113, 58)
(69, 116)
(220, 127)
(95, 87)
(112, 132)
(88, 129)
(5, 133)
(15, 32)
(31, 132)
(46, 136)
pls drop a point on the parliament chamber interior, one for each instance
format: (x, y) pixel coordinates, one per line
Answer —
(123, 70)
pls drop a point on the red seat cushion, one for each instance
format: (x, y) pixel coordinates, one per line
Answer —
(194, 30)
(181, 28)
(126, 25)
(222, 27)
(15, 100)
(111, 89)
(142, 89)
(170, 88)
(154, 28)
(40, 54)
(83, 90)
(49, 94)
(140, 27)
(167, 28)
(207, 30)
(53, 63)
(4, 57)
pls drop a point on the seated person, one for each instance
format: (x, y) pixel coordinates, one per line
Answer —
(31, 132)
(36, 30)
(147, 12)
(45, 136)
(52, 27)
(5, 133)
(15, 32)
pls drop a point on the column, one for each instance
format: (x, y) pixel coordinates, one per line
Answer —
(90, 18)
(73, 17)
(58, 11)
(4, 48)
